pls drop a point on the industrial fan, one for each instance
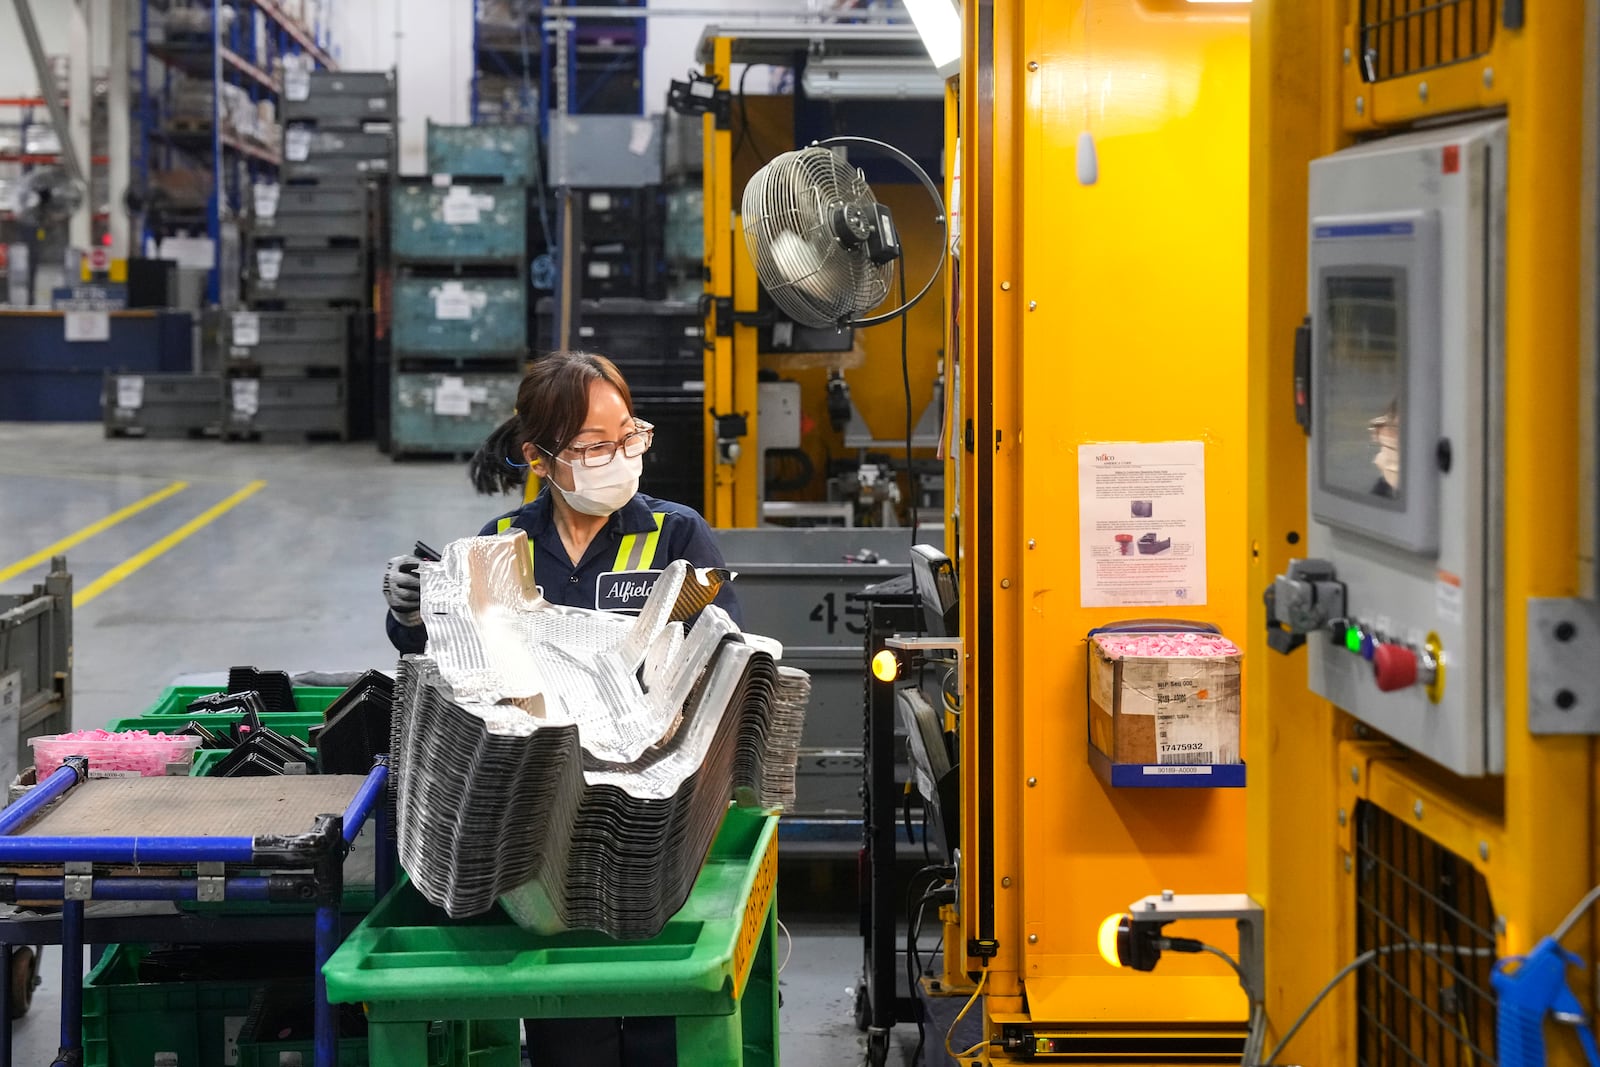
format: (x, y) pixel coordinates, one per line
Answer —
(47, 196)
(825, 250)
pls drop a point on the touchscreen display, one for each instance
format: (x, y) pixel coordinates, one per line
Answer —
(1362, 381)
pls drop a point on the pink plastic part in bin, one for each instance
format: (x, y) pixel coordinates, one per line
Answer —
(133, 752)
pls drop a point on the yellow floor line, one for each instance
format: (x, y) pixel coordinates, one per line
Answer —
(44, 554)
(133, 563)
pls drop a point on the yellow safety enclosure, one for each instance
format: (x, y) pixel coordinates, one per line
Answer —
(1102, 350)
(1275, 319)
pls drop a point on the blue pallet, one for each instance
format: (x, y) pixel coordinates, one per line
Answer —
(502, 151)
(497, 322)
(460, 223)
(45, 378)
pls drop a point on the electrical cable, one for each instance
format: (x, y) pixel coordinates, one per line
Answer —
(905, 380)
(1229, 960)
(1258, 1012)
(939, 873)
(1360, 962)
(959, 1016)
(1575, 914)
(788, 951)
(746, 133)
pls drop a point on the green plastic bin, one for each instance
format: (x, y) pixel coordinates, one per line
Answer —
(171, 711)
(713, 968)
(174, 700)
(126, 1021)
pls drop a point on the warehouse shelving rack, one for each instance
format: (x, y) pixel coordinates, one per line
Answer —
(516, 40)
(260, 35)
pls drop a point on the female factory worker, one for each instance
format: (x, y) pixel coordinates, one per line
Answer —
(596, 541)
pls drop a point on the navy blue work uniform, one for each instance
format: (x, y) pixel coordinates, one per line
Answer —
(618, 569)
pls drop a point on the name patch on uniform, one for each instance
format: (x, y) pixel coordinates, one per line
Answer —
(624, 590)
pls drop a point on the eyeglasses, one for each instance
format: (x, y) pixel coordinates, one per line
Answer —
(599, 453)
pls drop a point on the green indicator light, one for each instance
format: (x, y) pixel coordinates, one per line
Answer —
(1352, 639)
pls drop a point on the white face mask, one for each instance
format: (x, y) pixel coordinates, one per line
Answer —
(599, 491)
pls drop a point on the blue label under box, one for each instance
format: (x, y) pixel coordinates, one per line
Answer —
(624, 590)
(1365, 229)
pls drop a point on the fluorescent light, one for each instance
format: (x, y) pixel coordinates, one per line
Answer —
(939, 26)
(882, 78)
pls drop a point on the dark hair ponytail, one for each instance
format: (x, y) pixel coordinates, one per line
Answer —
(490, 467)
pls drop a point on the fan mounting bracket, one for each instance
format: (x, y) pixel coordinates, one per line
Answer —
(702, 95)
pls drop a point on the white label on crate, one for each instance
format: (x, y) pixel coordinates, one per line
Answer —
(296, 83)
(1167, 769)
(460, 207)
(585, 331)
(266, 194)
(451, 301)
(87, 326)
(269, 261)
(599, 268)
(641, 133)
(377, 103)
(599, 201)
(694, 331)
(452, 397)
(246, 396)
(232, 1027)
(130, 391)
(478, 394)
(246, 328)
(297, 144)
(441, 181)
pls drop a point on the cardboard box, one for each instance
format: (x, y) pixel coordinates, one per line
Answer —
(1179, 705)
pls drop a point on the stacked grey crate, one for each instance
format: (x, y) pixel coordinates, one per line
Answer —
(160, 405)
(460, 244)
(287, 359)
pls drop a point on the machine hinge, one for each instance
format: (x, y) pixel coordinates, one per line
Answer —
(78, 883)
(210, 882)
(983, 948)
(968, 437)
(724, 306)
(1513, 15)
(1563, 646)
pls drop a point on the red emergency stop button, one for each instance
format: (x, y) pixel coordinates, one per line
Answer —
(1394, 667)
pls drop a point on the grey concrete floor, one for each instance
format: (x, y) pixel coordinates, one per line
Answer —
(289, 579)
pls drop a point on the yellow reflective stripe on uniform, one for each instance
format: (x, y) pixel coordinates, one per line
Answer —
(638, 551)
(503, 525)
(650, 541)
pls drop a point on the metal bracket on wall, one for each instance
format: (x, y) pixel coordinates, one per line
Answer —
(1563, 648)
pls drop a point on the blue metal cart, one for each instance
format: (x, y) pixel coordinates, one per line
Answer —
(187, 839)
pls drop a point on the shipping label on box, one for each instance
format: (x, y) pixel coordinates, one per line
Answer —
(1164, 698)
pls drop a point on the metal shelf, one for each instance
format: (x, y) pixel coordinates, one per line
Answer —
(271, 9)
(196, 61)
(227, 47)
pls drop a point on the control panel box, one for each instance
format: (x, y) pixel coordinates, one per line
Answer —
(1405, 289)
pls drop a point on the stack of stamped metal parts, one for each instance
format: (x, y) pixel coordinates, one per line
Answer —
(575, 765)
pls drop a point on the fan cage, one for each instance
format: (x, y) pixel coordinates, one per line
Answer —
(1426, 999)
(1399, 38)
(788, 210)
